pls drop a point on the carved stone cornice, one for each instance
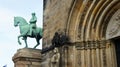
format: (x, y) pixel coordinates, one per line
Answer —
(79, 45)
(27, 59)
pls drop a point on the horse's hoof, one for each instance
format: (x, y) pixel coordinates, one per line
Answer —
(26, 46)
(35, 47)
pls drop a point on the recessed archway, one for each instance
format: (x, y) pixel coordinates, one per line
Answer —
(87, 28)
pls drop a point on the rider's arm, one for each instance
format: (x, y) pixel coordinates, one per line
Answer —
(34, 19)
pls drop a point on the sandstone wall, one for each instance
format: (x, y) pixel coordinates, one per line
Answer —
(56, 14)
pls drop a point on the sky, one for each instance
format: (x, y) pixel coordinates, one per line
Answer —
(8, 33)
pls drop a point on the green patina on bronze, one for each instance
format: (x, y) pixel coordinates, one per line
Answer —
(28, 30)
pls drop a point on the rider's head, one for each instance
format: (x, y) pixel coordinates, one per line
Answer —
(33, 14)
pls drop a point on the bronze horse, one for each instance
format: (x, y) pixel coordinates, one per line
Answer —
(25, 30)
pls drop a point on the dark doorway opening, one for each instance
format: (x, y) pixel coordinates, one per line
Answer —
(117, 48)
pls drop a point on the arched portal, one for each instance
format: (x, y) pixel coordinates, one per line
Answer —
(91, 30)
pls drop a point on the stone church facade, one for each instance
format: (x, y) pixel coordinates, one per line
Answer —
(93, 28)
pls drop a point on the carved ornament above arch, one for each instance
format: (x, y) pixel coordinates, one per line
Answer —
(113, 28)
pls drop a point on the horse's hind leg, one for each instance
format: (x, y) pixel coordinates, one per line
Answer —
(37, 43)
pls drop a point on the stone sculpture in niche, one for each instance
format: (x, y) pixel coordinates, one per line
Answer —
(55, 59)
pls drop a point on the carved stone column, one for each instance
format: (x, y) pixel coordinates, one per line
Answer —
(27, 57)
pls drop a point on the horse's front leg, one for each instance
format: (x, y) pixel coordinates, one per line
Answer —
(19, 39)
(25, 39)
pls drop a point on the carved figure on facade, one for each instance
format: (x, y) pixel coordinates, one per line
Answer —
(55, 59)
(55, 40)
(116, 26)
(59, 39)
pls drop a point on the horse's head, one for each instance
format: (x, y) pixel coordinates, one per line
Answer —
(16, 22)
(19, 21)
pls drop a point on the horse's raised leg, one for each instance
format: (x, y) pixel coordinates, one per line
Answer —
(37, 39)
(19, 39)
(25, 39)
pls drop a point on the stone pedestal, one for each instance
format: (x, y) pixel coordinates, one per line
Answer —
(27, 57)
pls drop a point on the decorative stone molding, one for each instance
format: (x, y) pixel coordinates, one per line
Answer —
(91, 44)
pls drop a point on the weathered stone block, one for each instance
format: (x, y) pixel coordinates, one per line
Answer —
(27, 57)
